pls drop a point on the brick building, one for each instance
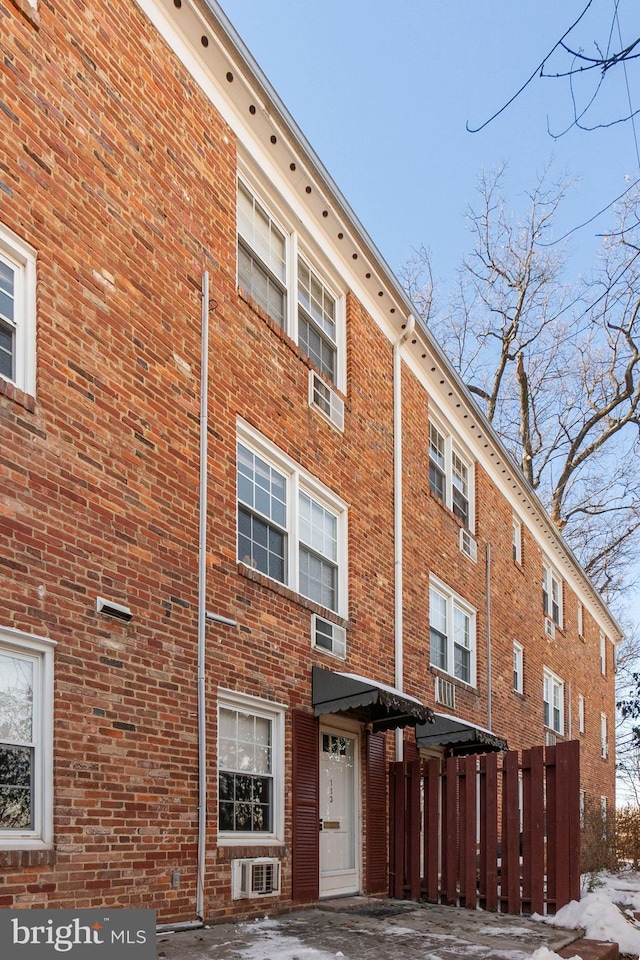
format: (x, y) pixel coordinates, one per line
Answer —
(198, 665)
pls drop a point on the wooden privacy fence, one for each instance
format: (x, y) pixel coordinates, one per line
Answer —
(499, 831)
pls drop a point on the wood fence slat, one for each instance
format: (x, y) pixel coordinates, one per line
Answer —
(537, 857)
(449, 882)
(432, 831)
(511, 832)
(551, 831)
(468, 854)
(489, 832)
(413, 831)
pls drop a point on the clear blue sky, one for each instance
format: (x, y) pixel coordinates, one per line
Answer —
(383, 92)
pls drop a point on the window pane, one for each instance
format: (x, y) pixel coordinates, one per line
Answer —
(16, 699)
(260, 286)
(316, 346)
(436, 481)
(436, 447)
(316, 300)
(318, 579)
(438, 611)
(16, 789)
(462, 664)
(261, 486)
(260, 546)
(318, 527)
(7, 292)
(438, 650)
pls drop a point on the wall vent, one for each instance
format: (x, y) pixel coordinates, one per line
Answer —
(468, 545)
(445, 693)
(258, 877)
(326, 400)
(328, 636)
(550, 628)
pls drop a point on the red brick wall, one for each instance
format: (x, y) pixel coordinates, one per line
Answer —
(121, 175)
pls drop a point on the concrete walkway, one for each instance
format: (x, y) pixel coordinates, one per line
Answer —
(362, 928)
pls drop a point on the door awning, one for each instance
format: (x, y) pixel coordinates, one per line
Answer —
(376, 703)
(458, 735)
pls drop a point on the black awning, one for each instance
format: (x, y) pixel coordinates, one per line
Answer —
(458, 735)
(382, 706)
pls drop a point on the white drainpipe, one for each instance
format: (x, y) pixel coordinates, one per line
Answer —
(397, 511)
(202, 600)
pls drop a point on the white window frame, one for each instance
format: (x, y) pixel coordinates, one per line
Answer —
(275, 714)
(295, 250)
(516, 540)
(580, 621)
(299, 481)
(550, 685)
(603, 654)
(451, 450)
(454, 603)
(552, 593)
(518, 667)
(21, 259)
(580, 713)
(39, 651)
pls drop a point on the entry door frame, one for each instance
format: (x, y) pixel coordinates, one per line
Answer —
(338, 725)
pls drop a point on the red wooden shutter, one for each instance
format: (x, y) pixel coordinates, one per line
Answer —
(376, 815)
(305, 859)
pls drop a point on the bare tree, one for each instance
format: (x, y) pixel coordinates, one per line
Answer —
(555, 368)
(586, 64)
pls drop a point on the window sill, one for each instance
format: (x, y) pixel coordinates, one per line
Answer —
(29, 12)
(229, 849)
(12, 392)
(283, 591)
(456, 681)
(23, 856)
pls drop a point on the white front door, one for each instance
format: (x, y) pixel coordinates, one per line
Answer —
(339, 866)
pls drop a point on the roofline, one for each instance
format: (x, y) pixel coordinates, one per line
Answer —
(234, 44)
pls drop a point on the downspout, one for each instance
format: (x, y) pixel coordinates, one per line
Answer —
(202, 595)
(488, 590)
(397, 512)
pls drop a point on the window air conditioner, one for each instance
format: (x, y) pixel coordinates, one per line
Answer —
(258, 877)
(550, 739)
(328, 636)
(326, 400)
(445, 693)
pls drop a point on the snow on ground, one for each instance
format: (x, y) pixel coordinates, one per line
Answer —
(605, 913)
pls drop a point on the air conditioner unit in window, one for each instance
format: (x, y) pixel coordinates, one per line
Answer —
(326, 400)
(257, 877)
(550, 739)
(468, 545)
(328, 636)
(445, 693)
(550, 628)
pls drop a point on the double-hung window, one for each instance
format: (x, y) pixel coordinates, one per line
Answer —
(450, 475)
(604, 739)
(452, 628)
(26, 747)
(17, 311)
(274, 272)
(580, 713)
(553, 699)
(603, 655)
(290, 527)
(250, 767)
(552, 594)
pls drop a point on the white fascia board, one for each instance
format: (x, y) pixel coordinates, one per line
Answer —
(250, 86)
